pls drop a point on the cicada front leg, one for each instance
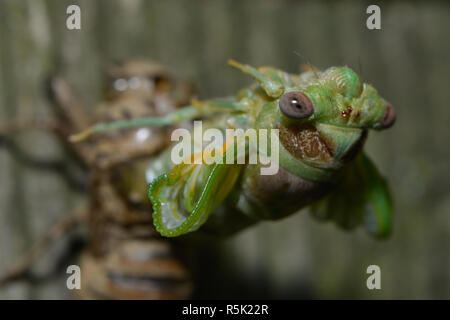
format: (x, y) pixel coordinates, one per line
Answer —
(67, 105)
(69, 119)
(197, 109)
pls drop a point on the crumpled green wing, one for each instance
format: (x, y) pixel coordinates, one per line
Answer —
(184, 198)
(362, 197)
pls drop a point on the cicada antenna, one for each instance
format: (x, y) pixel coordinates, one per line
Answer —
(360, 71)
(313, 68)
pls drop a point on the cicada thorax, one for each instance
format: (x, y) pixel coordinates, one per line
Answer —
(126, 258)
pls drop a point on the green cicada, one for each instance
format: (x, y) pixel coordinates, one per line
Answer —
(321, 119)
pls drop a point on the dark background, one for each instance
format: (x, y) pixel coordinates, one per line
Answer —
(407, 61)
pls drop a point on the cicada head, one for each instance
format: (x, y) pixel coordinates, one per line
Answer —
(323, 118)
(339, 97)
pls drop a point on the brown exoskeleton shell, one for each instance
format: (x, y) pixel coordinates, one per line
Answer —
(125, 257)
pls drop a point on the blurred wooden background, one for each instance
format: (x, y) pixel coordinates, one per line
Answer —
(407, 61)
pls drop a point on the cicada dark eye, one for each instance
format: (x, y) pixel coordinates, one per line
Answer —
(296, 105)
(388, 118)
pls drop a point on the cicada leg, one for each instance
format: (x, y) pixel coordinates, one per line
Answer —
(67, 104)
(21, 125)
(56, 232)
(59, 166)
(195, 110)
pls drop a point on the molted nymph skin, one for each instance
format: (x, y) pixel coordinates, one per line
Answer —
(323, 119)
(126, 258)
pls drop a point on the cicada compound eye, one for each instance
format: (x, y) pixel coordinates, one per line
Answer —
(296, 105)
(388, 118)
